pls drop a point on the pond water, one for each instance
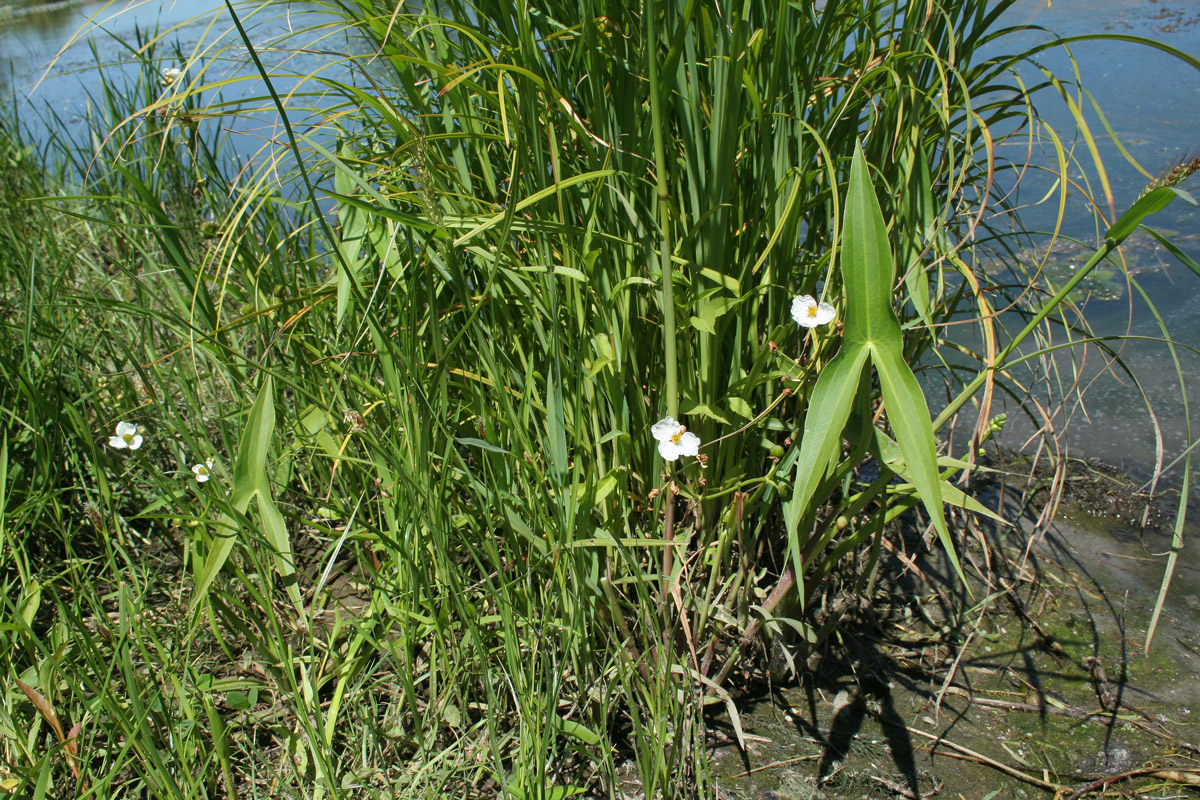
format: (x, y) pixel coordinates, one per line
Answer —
(1150, 99)
(33, 32)
(49, 53)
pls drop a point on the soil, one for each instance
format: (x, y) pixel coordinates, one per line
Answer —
(1037, 683)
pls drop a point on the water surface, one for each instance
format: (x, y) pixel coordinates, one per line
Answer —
(1151, 101)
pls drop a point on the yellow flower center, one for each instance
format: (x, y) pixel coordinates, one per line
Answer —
(128, 437)
(677, 436)
(812, 311)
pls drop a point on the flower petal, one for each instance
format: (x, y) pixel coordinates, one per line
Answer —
(825, 314)
(664, 429)
(117, 442)
(124, 428)
(135, 442)
(668, 449)
(808, 313)
(803, 310)
(689, 444)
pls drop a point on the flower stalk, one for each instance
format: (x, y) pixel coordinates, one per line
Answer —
(670, 359)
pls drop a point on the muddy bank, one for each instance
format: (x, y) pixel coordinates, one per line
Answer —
(1036, 684)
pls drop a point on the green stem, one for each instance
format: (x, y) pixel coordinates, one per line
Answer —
(671, 389)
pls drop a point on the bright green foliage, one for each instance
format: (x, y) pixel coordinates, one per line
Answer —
(424, 336)
(872, 334)
(251, 482)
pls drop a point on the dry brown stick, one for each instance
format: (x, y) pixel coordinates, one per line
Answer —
(1009, 705)
(901, 791)
(937, 706)
(1188, 777)
(1047, 639)
(991, 762)
(774, 764)
(1104, 717)
(768, 607)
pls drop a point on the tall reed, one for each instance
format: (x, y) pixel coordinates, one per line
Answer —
(425, 337)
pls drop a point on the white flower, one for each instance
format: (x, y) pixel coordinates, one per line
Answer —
(170, 75)
(127, 436)
(202, 471)
(674, 440)
(809, 313)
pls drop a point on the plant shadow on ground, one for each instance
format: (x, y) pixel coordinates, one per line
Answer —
(1035, 683)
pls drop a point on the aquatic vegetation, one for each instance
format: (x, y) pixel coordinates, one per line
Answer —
(126, 437)
(434, 318)
(808, 313)
(203, 472)
(674, 440)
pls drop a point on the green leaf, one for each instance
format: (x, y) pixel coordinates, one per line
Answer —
(868, 272)
(313, 419)
(604, 487)
(354, 229)
(709, 310)
(596, 176)
(238, 701)
(471, 441)
(871, 330)
(250, 482)
(565, 272)
(556, 433)
(740, 407)
(250, 468)
(563, 792)
(31, 601)
(889, 454)
(575, 730)
(218, 553)
(705, 410)
(828, 410)
(728, 281)
(922, 225)
(1151, 203)
(909, 416)
(1174, 250)
(275, 531)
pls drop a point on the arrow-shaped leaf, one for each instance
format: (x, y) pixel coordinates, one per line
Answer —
(250, 481)
(871, 329)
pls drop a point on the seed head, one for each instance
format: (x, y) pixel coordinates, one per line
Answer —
(1177, 173)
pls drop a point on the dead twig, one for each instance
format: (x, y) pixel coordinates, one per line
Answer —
(971, 755)
(946, 685)
(905, 792)
(786, 582)
(1104, 717)
(777, 764)
(1045, 638)
(1187, 777)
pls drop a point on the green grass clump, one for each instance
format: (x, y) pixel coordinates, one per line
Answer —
(423, 335)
